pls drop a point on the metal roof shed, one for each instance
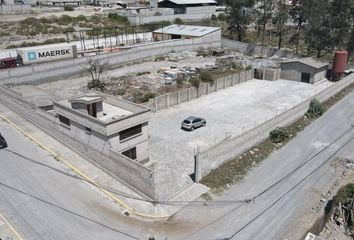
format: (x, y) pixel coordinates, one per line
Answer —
(304, 70)
(183, 32)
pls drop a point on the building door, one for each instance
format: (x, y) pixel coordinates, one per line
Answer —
(305, 77)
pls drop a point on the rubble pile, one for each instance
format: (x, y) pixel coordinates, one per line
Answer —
(175, 57)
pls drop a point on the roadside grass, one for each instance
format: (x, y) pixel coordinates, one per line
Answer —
(234, 171)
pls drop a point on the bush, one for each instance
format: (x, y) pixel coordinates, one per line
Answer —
(117, 18)
(178, 21)
(96, 84)
(279, 135)
(214, 17)
(315, 109)
(345, 194)
(64, 20)
(81, 18)
(147, 96)
(68, 8)
(195, 82)
(222, 17)
(206, 77)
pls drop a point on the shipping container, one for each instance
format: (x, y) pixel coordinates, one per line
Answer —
(46, 53)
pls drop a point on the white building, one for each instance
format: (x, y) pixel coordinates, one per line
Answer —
(187, 32)
(106, 123)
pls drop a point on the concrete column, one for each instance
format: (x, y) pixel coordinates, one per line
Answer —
(178, 97)
(264, 73)
(168, 101)
(225, 78)
(188, 95)
(155, 103)
(197, 168)
(233, 80)
(239, 77)
(207, 88)
(216, 85)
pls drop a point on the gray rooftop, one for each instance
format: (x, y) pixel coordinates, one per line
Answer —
(113, 108)
(308, 61)
(188, 2)
(187, 30)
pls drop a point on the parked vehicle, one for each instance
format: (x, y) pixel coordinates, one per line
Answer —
(192, 123)
(8, 63)
(3, 143)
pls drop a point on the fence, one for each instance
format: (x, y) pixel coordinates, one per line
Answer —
(185, 95)
(251, 49)
(230, 148)
(60, 69)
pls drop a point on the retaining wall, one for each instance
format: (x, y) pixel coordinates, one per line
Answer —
(185, 95)
(61, 69)
(231, 148)
(251, 49)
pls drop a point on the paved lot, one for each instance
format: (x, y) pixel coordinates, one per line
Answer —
(227, 112)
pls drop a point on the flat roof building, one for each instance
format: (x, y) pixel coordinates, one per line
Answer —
(106, 123)
(306, 70)
(188, 6)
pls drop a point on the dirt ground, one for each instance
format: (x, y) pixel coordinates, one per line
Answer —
(77, 85)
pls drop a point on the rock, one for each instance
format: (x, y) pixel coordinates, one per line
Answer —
(323, 200)
(251, 152)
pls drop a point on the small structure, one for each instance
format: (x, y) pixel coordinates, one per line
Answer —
(304, 70)
(187, 32)
(188, 6)
(106, 124)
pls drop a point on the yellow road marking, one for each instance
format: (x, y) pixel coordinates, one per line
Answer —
(11, 227)
(77, 171)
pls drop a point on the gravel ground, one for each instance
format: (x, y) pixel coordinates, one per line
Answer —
(227, 112)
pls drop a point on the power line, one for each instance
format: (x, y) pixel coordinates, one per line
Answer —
(291, 189)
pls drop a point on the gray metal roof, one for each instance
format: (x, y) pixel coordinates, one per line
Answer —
(188, 2)
(308, 61)
(187, 30)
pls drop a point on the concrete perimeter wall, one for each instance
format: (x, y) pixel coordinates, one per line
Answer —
(185, 95)
(231, 148)
(60, 69)
(250, 49)
(15, 9)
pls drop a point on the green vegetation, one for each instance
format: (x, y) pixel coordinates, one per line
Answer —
(206, 77)
(315, 109)
(279, 135)
(68, 8)
(179, 21)
(316, 33)
(30, 44)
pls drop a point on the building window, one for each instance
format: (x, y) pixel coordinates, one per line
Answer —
(130, 153)
(64, 120)
(130, 132)
(88, 130)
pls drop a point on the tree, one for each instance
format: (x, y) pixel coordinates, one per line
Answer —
(238, 16)
(96, 69)
(297, 13)
(342, 19)
(279, 21)
(318, 36)
(265, 15)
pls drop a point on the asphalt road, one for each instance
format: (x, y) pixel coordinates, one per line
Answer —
(43, 200)
(270, 215)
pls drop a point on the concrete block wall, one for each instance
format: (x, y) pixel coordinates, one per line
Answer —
(231, 148)
(134, 174)
(185, 95)
(54, 70)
